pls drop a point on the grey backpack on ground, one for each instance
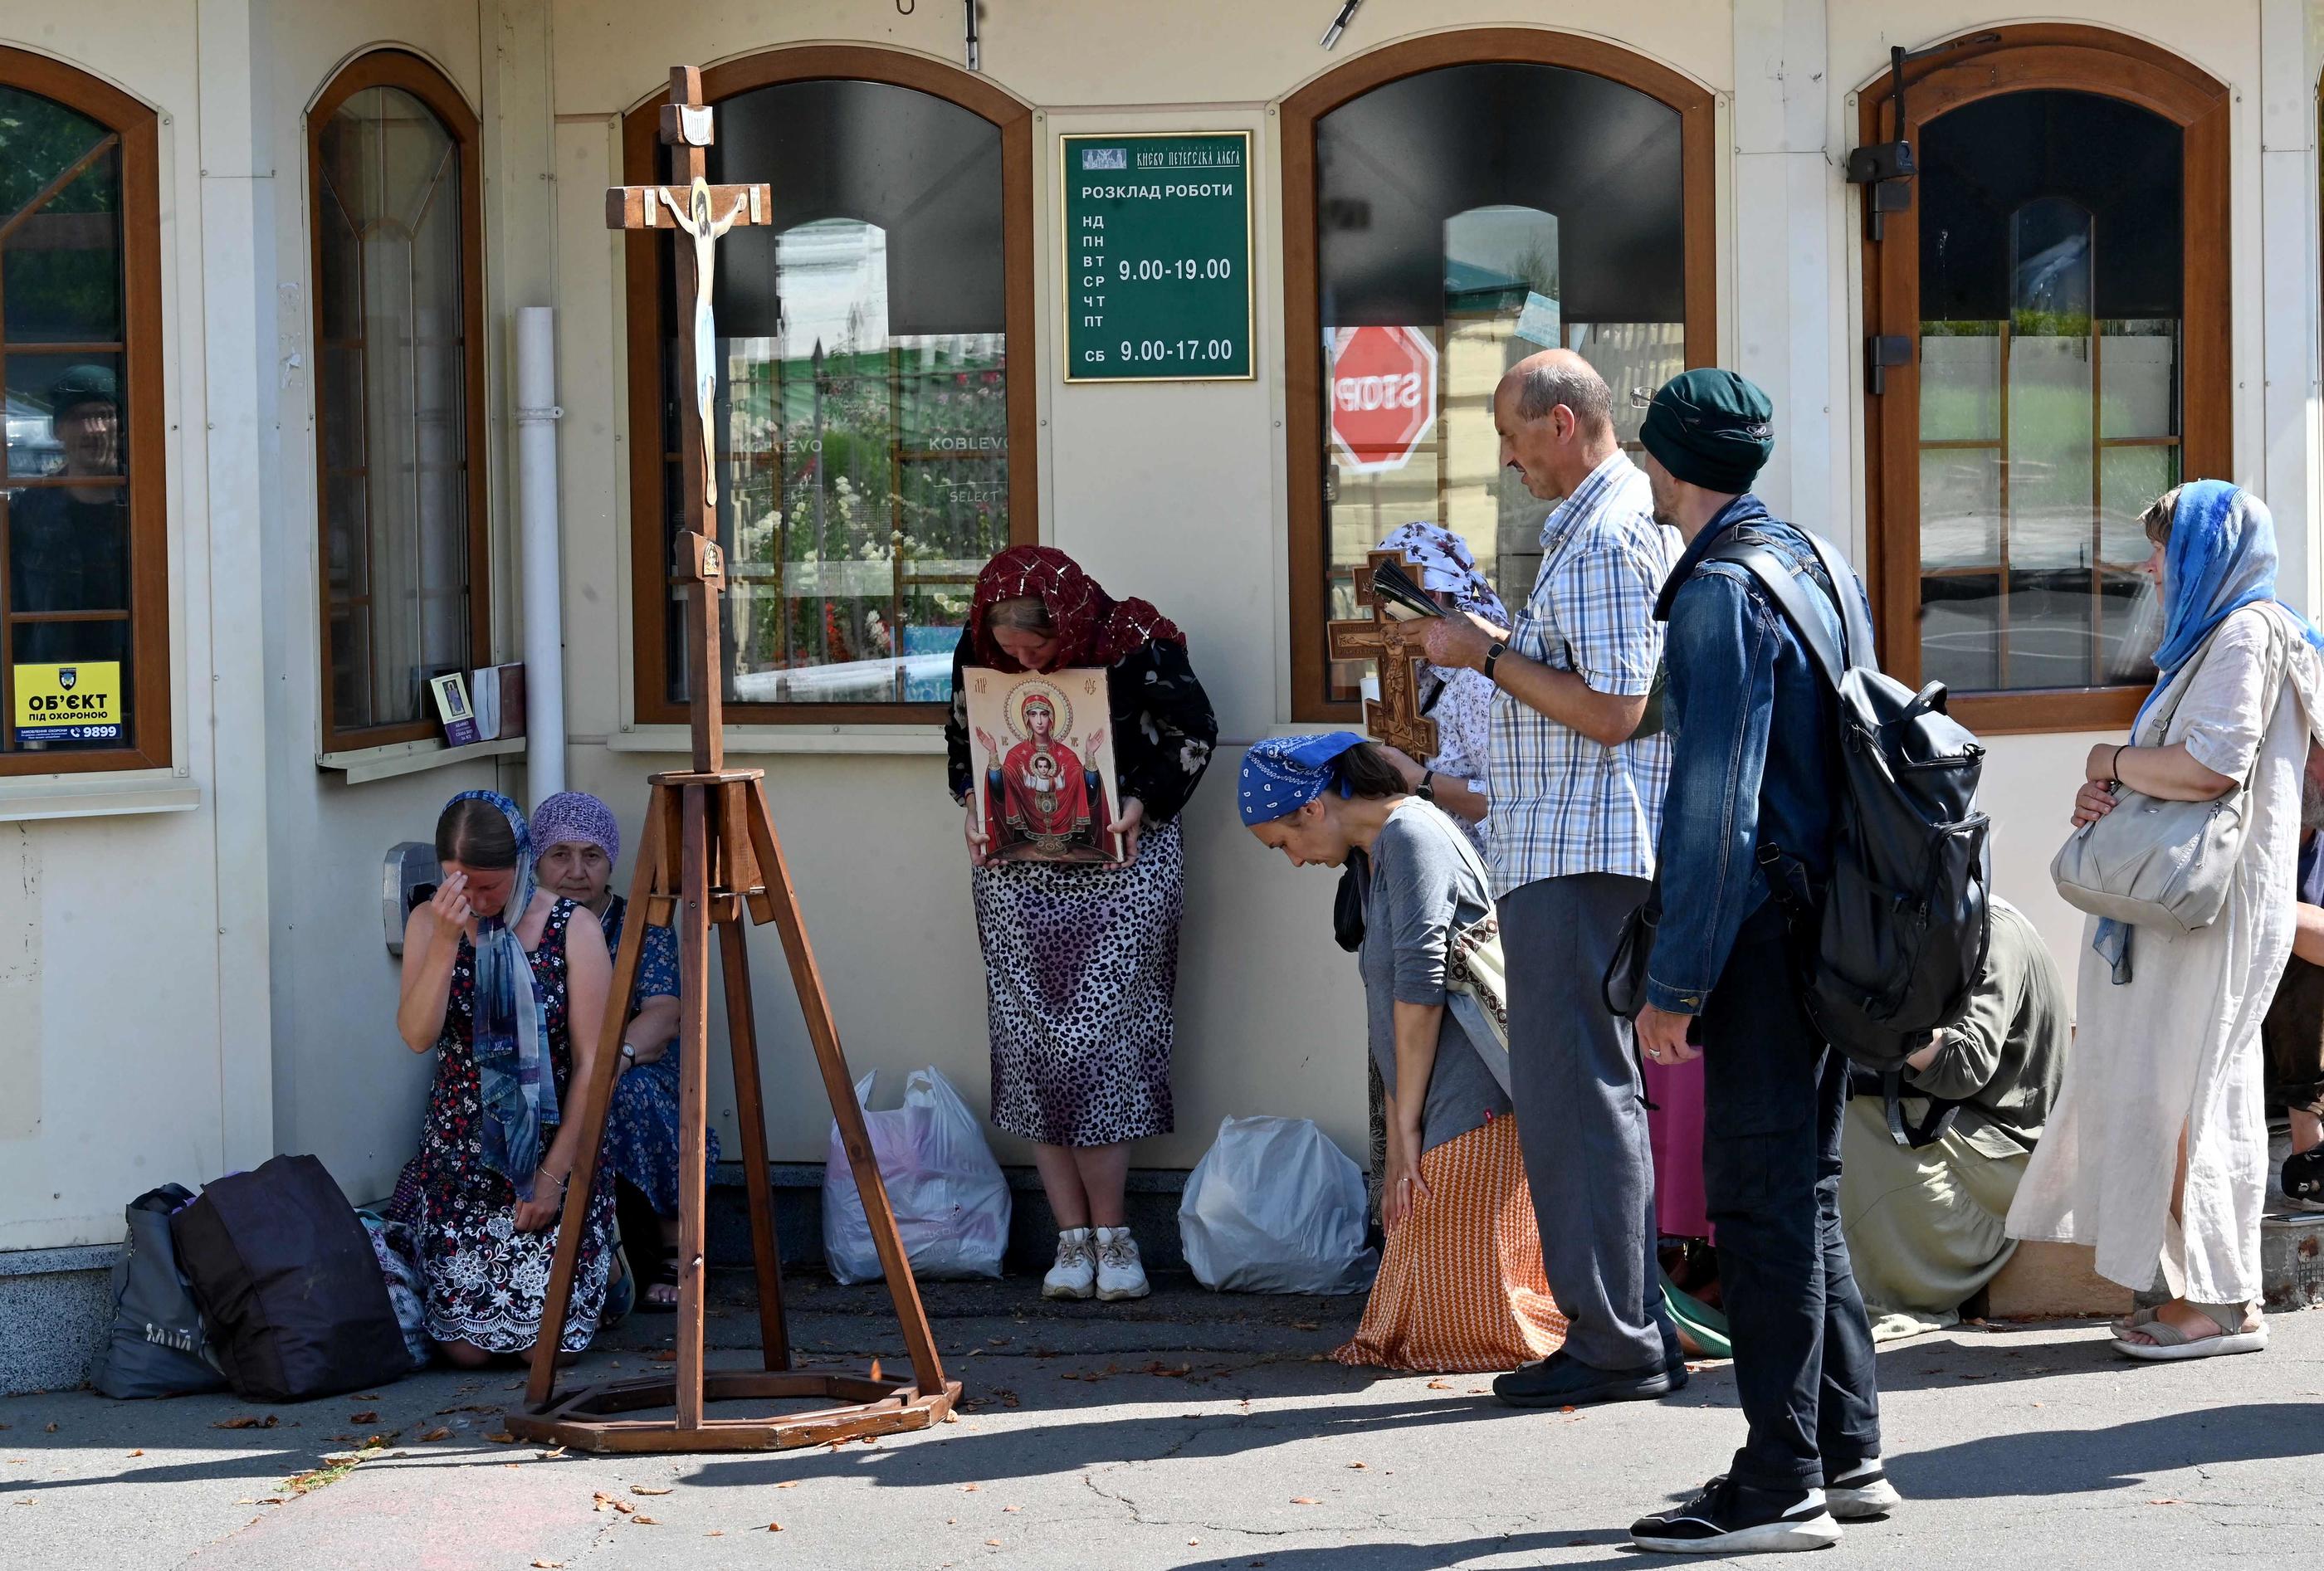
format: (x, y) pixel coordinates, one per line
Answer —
(159, 1345)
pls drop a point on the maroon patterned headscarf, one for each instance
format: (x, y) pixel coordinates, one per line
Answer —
(1092, 628)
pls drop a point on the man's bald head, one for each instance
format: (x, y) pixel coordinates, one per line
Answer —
(1556, 421)
(1540, 383)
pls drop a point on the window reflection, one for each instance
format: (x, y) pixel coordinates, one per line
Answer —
(1467, 217)
(2049, 386)
(861, 424)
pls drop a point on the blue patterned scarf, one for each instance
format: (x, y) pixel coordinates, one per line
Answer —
(2221, 559)
(1282, 775)
(516, 1087)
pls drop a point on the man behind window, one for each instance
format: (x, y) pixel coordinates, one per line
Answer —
(1575, 804)
(1926, 1224)
(1757, 750)
(68, 543)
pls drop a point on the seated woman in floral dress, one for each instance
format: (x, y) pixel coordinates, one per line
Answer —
(579, 841)
(508, 991)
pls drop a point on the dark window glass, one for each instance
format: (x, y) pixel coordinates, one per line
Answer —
(1455, 207)
(392, 380)
(860, 426)
(2051, 308)
(64, 519)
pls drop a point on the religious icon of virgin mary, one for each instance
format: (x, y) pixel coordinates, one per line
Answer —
(1042, 803)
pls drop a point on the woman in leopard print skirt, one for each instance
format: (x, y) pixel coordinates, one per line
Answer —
(1080, 960)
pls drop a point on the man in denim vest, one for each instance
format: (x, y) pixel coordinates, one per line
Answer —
(1756, 747)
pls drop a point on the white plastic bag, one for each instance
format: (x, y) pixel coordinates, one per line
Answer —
(1274, 1207)
(950, 1199)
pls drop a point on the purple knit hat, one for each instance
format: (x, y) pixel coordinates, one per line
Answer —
(576, 815)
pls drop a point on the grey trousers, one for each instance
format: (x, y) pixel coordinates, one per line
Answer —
(1582, 1117)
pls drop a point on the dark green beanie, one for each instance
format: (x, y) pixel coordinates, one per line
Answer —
(1710, 428)
(83, 384)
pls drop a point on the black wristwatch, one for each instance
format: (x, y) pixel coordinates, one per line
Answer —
(1493, 657)
(1425, 791)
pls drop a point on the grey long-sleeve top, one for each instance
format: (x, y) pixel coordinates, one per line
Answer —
(1421, 887)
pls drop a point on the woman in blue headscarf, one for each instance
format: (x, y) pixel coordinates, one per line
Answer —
(1460, 1285)
(2156, 1153)
(510, 992)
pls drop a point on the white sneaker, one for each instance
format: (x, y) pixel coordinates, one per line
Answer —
(1862, 1493)
(1119, 1272)
(1075, 1276)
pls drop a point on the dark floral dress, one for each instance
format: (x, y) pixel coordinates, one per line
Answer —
(485, 1282)
(642, 1133)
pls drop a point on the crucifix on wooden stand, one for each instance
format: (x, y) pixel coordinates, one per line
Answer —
(1395, 716)
(709, 856)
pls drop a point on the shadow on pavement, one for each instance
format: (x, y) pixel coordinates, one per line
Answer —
(2087, 1461)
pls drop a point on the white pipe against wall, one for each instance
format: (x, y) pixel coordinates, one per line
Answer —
(544, 614)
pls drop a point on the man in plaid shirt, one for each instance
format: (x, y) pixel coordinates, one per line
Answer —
(1576, 804)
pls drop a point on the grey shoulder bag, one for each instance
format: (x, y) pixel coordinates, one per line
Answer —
(2158, 863)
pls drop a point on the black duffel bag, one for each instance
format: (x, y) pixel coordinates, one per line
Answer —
(158, 1345)
(286, 1278)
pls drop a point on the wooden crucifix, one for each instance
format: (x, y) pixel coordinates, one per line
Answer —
(703, 213)
(710, 858)
(1395, 716)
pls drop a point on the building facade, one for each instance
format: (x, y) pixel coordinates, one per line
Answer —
(260, 267)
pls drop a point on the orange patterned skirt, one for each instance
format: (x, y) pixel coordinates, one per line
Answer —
(1460, 1290)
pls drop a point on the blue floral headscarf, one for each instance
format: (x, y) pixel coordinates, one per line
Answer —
(516, 1087)
(1282, 775)
(1447, 564)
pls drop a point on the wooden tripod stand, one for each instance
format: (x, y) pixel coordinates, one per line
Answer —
(709, 855)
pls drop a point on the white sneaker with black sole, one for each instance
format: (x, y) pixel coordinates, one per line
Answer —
(1727, 1518)
(1862, 1493)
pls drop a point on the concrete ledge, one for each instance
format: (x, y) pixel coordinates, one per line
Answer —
(56, 1307)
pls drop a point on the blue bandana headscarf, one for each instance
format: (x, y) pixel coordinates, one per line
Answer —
(1282, 775)
(516, 1087)
(2221, 559)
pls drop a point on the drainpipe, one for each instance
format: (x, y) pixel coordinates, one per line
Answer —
(544, 619)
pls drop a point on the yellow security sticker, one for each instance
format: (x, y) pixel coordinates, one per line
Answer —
(77, 702)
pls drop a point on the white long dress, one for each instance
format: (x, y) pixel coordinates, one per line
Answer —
(2178, 1045)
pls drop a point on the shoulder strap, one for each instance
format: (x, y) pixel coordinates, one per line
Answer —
(1783, 585)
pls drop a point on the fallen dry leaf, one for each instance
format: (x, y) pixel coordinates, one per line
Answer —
(774, 1526)
(667, 1355)
(53, 1428)
(1007, 1509)
(646, 1489)
(1440, 1386)
(644, 1520)
(362, 1418)
(875, 1369)
(501, 1438)
(438, 1433)
(1305, 1500)
(970, 1488)
(138, 1452)
(246, 1421)
(2165, 1501)
(992, 1543)
(788, 1483)
(601, 1500)
(547, 1565)
(716, 1533)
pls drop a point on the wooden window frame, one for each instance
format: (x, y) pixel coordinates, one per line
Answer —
(394, 67)
(2034, 57)
(137, 128)
(647, 281)
(1303, 327)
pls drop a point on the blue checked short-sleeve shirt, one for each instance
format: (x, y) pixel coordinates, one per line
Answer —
(1561, 804)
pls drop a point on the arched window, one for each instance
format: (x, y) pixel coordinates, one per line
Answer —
(874, 423)
(84, 562)
(399, 394)
(1449, 206)
(2060, 275)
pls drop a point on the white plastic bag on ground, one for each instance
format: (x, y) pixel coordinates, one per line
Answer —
(1274, 1207)
(950, 1199)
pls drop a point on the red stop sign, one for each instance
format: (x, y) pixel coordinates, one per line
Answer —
(1383, 394)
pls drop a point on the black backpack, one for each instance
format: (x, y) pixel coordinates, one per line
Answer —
(1900, 925)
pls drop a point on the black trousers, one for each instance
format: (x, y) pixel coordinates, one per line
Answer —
(1774, 1096)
